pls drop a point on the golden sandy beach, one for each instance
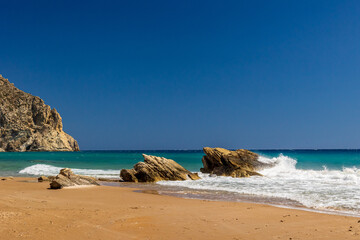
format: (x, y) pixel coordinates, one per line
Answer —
(28, 210)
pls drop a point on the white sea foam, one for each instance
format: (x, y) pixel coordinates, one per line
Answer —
(49, 170)
(319, 189)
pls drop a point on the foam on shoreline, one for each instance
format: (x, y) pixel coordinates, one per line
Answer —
(49, 170)
(324, 190)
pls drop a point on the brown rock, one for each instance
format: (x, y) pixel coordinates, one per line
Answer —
(43, 178)
(66, 178)
(223, 162)
(28, 124)
(51, 178)
(128, 175)
(155, 169)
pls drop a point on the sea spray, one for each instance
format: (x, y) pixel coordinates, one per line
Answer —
(319, 189)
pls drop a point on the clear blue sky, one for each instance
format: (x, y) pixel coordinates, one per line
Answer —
(187, 74)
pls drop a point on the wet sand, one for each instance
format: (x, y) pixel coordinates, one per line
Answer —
(28, 210)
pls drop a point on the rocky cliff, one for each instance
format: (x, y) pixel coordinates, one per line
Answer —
(28, 124)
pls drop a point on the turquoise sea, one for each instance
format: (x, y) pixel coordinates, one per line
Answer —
(326, 180)
(13, 163)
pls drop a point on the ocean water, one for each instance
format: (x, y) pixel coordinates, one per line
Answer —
(327, 180)
(93, 163)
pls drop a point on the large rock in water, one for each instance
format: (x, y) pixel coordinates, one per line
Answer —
(66, 178)
(28, 124)
(155, 169)
(223, 162)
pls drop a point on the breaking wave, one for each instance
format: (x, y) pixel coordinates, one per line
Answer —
(335, 190)
(49, 170)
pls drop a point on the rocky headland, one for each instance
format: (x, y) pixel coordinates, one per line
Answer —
(28, 124)
(155, 169)
(223, 162)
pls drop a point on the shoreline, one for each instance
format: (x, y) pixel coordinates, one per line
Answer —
(28, 210)
(298, 179)
(172, 191)
(150, 187)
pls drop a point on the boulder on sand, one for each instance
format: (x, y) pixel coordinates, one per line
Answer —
(66, 178)
(155, 169)
(223, 162)
(43, 179)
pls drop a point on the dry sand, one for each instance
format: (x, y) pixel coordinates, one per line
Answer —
(28, 210)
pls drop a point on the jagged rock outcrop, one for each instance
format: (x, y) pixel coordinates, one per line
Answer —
(66, 178)
(223, 162)
(28, 124)
(155, 169)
